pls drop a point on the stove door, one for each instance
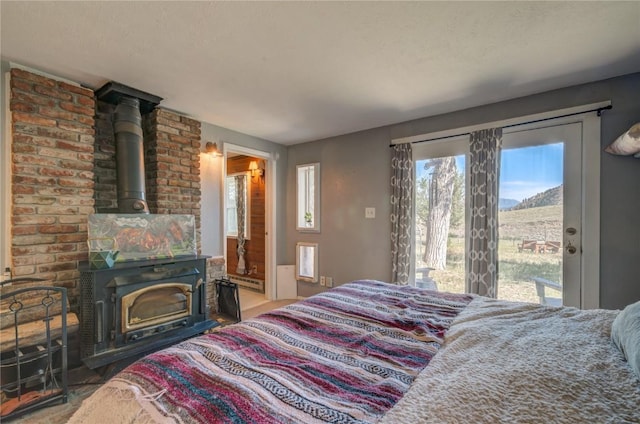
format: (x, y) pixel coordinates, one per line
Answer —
(157, 304)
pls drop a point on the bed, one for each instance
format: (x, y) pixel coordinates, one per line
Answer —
(371, 352)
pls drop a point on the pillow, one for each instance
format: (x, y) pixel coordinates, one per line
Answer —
(625, 333)
(627, 144)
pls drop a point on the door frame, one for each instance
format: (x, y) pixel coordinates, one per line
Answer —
(590, 228)
(270, 210)
(5, 172)
(591, 151)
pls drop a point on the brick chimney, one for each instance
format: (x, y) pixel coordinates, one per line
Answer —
(64, 168)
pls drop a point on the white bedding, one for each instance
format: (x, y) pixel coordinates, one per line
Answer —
(506, 362)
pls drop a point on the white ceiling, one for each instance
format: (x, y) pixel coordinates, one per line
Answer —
(291, 72)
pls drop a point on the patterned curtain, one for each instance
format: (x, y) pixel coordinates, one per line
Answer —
(240, 210)
(483, 252)
(401, 212)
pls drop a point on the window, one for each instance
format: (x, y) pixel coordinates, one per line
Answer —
(233, 202)
(308, 197)
(307, 262)
(439, 215)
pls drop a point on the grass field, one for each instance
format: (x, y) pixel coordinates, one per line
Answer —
(515, 268)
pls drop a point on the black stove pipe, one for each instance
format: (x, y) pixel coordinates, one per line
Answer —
(127, 125)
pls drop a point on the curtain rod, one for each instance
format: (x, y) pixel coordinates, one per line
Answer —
(598, 110)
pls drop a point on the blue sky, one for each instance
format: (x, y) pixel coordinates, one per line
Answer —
(530, 170)
(526, 171)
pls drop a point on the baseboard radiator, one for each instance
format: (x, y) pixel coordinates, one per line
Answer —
(248, 283)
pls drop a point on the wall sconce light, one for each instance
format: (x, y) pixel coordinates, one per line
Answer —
(212, 149)
(256, 170)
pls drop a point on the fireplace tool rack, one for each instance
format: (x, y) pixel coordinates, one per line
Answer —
(227, 301)
(33, 365)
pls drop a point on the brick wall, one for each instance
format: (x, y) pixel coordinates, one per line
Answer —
(52, 177)
(215, 269)
(172, 164)
(64, 168)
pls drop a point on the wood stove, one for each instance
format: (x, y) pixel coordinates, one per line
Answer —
(140, 306)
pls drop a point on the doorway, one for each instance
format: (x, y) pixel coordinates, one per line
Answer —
(540, 225)
(549, 211)
(247, 222)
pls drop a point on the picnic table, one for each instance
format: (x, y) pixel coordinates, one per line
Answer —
(540, 246)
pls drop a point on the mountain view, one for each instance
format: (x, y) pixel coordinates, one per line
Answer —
(507, 204)
(550, 197)
(538, 217)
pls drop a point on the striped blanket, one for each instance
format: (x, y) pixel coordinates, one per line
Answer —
(344, 356)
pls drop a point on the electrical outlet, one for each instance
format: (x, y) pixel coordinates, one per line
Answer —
(323, 281)
(369, 213)
(6, 276)
(329, 281)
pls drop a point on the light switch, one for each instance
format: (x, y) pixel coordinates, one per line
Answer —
(369, 212)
